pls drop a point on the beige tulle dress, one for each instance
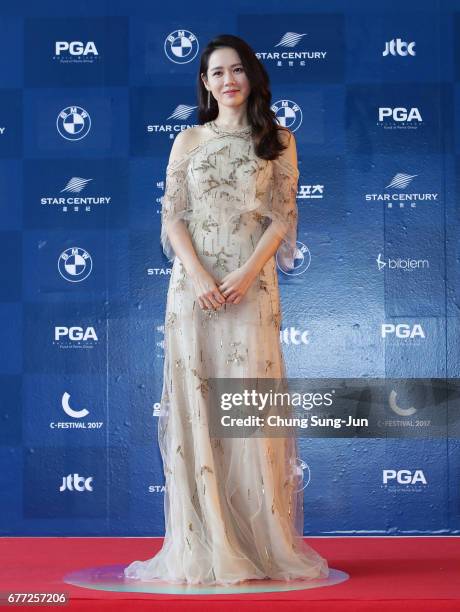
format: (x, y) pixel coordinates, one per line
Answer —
(233, 506)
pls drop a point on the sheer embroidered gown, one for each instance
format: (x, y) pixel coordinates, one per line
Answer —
(233, 506)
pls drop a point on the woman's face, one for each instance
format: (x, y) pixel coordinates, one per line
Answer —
(226, 74)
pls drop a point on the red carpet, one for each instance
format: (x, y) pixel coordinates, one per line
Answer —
(410, 574)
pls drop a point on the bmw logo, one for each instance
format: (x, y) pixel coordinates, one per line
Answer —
(300, 469)
(302, 260)
(73, 123)
(181, 46)
(75, 264)
(288, 114)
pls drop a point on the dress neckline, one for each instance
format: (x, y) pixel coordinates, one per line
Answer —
(219, 129)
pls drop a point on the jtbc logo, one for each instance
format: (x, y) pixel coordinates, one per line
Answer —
(399, 47)
(74, 482)
(404, 476)
(75, 47)
(291, 335)
(399, 114)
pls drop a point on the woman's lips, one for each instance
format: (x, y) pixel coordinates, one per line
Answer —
(232, 91)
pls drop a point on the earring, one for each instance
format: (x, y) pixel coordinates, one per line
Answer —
(209, 99)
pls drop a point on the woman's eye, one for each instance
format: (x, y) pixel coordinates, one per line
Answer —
(219, 72)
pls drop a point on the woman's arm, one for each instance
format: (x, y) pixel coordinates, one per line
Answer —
(236, 283)
(176, 229)
(205, 285)
(273, 235)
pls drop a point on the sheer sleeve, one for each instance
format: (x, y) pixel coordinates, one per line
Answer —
(175, 201)
(283, 209)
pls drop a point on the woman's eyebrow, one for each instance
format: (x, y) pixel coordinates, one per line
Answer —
(232, 66)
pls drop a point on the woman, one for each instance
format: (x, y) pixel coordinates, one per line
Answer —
(233, 508)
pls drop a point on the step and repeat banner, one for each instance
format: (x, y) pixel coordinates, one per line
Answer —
(91, 99)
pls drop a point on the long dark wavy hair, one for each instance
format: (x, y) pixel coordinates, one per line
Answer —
(265, 127)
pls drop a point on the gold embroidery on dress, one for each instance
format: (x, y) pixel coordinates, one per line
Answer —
(204, 383)
(217, 443)
(220, 257)
(206, 163)
(244, 160)
(235, 356)
(206, 468)
(209, 315)
(180, 284)
(208, 223)
(237, 224)
(258, 217)
(263, 285)
(171, 320)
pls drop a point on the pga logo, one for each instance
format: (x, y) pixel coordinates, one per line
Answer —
(399, 114)
(75, 48)
(402, 330)
(74, 333)
(404, 476)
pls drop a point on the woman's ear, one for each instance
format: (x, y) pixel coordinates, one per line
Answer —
(203, 78)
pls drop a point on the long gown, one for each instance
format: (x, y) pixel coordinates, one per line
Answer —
(233, 506)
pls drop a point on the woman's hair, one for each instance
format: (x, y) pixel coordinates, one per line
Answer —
(265, 127)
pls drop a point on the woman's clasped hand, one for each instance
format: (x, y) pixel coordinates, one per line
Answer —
(232, 288)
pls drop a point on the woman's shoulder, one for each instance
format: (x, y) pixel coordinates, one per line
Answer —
(184, 143)
(185, 140)
(287, 159)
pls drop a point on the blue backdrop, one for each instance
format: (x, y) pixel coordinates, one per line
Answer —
(91, 97)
